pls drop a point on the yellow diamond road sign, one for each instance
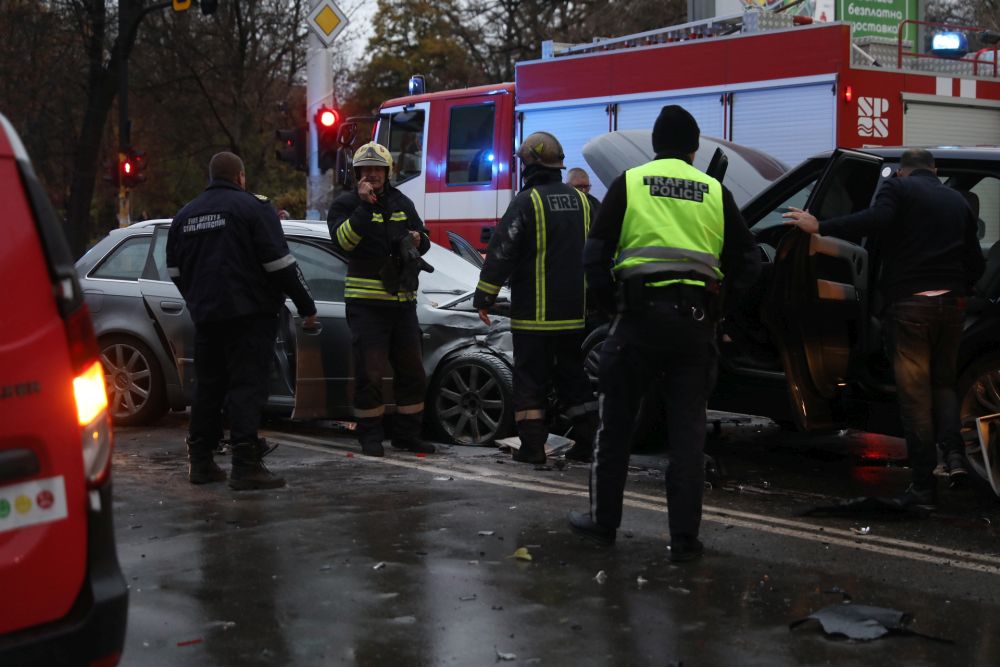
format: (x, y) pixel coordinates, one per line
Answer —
(327, 21)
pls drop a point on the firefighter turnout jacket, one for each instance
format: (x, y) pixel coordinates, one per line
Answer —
(538, 245)
(227, 254)
(369, 235)
(670, 222)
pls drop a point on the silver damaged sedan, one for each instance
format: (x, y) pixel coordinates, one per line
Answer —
(147, 337)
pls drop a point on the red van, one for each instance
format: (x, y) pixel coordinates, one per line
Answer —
(63, 599)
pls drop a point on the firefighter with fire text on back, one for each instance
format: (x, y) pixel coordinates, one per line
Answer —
(538, 246)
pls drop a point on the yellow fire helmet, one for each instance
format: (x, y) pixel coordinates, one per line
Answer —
(541, 148)
(373, 155)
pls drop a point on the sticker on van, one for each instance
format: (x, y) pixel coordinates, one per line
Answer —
(32, 503)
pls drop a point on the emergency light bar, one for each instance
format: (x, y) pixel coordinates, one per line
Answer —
(949, 45)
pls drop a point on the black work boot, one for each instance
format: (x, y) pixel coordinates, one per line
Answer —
(406, 433)
(584, 526)
(533, 434)
(202, 468)
(685, 549)
(370, 435)
(584, 430)
(249, 472)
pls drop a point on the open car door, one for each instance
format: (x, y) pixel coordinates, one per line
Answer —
(817, 308)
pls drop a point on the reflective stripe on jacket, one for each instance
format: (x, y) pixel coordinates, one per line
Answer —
(673, 223)
(538, 246)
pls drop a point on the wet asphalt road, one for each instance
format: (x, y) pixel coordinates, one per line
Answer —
(365, 561)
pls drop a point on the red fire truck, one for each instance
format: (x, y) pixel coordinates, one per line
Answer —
(761, 80)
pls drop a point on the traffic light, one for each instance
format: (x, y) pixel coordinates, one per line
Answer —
(131, 165)
(327, 121)
(181, 5)
(292, 147)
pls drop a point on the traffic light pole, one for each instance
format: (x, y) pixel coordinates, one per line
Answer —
(319, 92)
(124, 138)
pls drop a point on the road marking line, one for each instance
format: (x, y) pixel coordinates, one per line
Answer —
(784, 527)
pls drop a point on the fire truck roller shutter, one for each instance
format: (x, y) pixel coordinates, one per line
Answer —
(573, 127)
(790, 123)
(641, 114)
(928, 124)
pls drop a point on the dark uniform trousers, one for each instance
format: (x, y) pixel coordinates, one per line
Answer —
(232, 357)
(539, 358)
(661, 347)
(387, 340)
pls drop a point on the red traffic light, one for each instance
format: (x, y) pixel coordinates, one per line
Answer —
(327, 117)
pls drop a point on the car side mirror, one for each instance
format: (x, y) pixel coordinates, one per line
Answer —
(347, 133)
(345, 174)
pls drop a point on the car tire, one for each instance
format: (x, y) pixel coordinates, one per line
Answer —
(136, 395)
(472, 399)
(649, 434)
(978, 395)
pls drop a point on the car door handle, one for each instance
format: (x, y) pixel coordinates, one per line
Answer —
(16, 463)
(172, 307)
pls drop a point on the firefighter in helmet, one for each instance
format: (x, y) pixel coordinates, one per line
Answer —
(538, 247)
(377, 226)
(666, 235)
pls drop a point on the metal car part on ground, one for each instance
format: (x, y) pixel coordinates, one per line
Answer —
(147, 337)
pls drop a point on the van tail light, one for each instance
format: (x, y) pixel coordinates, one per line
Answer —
(109, 660)
(91, 396)
(92, 413)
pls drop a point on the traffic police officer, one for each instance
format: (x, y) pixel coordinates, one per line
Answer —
(538, 246)
(371, 224)
(228, 256)
(671, 233)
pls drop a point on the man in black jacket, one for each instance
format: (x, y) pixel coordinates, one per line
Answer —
(370, 224)
(228, 256)
(538, 245)
(931, 260)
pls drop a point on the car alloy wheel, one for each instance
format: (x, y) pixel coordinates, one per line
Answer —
(979, 395)
(134, 382)
(472, 399)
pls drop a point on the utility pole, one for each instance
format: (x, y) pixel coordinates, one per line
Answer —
(124, 124)
(325, 21)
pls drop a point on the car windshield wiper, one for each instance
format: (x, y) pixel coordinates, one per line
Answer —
(465, 297)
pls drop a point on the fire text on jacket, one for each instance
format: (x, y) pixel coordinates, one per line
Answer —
(563, 202)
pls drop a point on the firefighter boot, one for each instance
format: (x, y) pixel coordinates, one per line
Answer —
(370, 435)
(533, 434)
(249, 472)
(584, 430)
(202, 468)
(406, 433)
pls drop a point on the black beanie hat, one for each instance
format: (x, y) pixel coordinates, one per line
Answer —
(675, 131)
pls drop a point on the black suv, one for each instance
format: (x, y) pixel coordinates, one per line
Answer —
(806, 346)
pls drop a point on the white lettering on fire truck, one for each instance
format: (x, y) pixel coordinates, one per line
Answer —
(872, 121)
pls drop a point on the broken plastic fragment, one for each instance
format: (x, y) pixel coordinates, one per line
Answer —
(864, 530)
(190, 642)
(600, 577)
(678, 589)
(640, 580)
(861, 622)
(467, 598)
(485, 533)
(505, 656)
(378, 566)
(443, 479)
(521, 553)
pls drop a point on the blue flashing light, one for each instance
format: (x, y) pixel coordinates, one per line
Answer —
(416, 85)
(490, 157)
(949, 45)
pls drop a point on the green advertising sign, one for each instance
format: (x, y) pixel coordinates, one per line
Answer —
(878, 18)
